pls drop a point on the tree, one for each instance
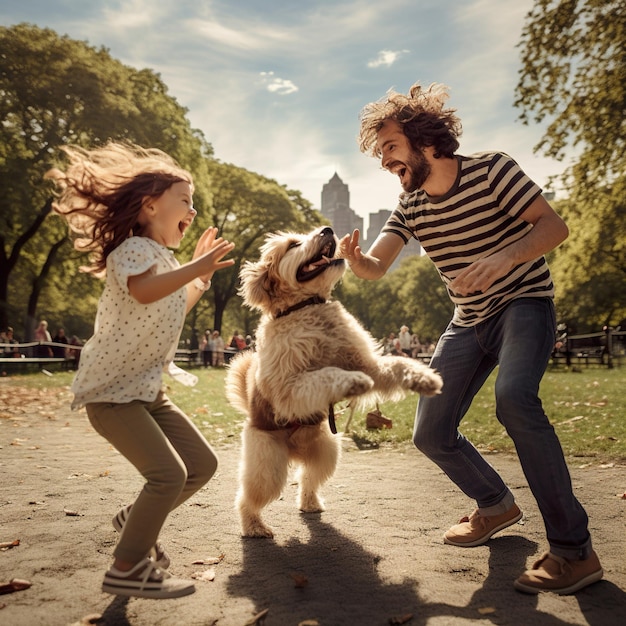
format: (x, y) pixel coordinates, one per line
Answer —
(55, 91)
(574, 77)
(413, 295)
(574, 74)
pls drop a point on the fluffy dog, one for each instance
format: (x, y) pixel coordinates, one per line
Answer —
(310, 353)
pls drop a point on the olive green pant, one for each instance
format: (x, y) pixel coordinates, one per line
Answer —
(169, 452)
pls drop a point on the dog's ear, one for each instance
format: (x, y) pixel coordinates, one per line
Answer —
(256, 285)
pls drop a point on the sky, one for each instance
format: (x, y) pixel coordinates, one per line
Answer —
(276, 86)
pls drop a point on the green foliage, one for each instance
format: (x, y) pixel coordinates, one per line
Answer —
(413, 294)
(589, 268)
(573, 76)
(586, 409)
(85, 97)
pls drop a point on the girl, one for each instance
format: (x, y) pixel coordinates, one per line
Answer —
(128, 206)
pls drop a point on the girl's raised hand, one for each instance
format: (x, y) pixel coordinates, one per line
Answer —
(209, 252)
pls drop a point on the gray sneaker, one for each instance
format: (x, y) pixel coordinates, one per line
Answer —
(145, 580)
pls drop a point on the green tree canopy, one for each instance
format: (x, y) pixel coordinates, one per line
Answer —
(55, 91)
(573, 77)
(413, 294)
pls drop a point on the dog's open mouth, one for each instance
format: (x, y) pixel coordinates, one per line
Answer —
(319, 263)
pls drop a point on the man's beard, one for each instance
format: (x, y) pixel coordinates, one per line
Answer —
(419, 170)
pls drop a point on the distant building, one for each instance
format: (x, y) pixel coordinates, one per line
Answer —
(336, 208)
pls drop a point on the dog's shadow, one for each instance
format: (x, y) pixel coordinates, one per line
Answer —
(329, 578)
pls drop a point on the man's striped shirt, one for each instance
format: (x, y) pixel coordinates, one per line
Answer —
(477, 217)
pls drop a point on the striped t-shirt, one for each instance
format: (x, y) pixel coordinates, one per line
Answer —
(478, 216)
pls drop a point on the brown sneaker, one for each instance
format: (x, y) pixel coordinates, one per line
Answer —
(476, 529)
(559, 575)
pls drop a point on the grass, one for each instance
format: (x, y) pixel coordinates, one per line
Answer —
(586, 409)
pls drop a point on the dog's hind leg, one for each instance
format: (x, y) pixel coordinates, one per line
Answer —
(317, 463)
(263, 473)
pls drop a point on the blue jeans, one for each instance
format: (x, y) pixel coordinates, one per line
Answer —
(519, 341)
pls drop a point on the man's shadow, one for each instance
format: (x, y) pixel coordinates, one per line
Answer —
(496, 599)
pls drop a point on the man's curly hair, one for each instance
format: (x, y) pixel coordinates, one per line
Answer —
(422, 116)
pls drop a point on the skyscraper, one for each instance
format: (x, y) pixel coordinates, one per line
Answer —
(336, 208)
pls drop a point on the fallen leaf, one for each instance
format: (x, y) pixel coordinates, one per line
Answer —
(400, 619)
(207, 575)
(486, 610)
(7, 545)
(300, 580)
(93, 618)
(71, 513)
(15, 584)
(309, 622)
(211, 560)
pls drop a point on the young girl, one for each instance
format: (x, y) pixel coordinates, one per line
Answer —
(128, 206)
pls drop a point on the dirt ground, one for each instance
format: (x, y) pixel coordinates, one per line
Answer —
(375, 557)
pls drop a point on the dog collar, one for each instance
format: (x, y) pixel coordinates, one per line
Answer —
(300, 305)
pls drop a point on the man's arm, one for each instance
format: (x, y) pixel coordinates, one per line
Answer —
(379, 257)
(548, 231)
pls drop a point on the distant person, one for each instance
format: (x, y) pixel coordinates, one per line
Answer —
(11, 349)
(486, 227)
(217, 348)
(205, 349)
(75, 344)
(237, 341)
(59, 351)
(415, 345)
(42, 335)
(391, 344)
(404, 340)
(131, 206)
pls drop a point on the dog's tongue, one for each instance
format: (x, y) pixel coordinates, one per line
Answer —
(311, 266)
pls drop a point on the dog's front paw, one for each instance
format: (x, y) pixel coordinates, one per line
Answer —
(426, 381)
(356, 384)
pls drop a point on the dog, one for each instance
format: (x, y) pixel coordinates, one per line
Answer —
(310, 353)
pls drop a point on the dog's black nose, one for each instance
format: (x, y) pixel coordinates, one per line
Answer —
(327, 232)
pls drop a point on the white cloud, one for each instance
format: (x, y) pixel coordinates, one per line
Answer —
(297, 123)
(280, 86)
(387, 58)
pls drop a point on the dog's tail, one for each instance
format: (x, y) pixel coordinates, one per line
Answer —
(237, 388)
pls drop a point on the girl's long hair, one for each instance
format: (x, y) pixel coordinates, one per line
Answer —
(101, 192)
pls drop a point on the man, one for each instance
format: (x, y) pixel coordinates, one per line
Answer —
(486, 227)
